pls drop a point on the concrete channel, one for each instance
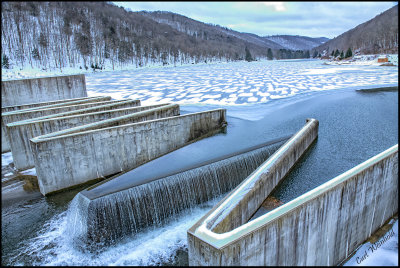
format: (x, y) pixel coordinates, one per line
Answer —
(320, 227)
(22, 131)
(77, 155)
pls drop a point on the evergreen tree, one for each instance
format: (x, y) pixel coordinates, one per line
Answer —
(307, 54)
(5, 62)
(341, 55)
(315, 54)
(333, 53)
(336, 53)
(270, 56)
(349, 53)
(248, 55)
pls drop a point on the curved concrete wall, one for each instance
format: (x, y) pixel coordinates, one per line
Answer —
(24, 91)
(84, 153)
(16, 113)
(22, 131)
(320, 227)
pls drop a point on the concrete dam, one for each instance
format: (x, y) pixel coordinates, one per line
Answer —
(78, 140)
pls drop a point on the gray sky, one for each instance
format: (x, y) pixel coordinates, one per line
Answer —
(313, 19)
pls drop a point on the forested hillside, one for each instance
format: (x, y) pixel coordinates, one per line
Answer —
(296, 42)
(50, 35)
(378, 35)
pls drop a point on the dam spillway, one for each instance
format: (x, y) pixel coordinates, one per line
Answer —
(113, 209)
(71, 140)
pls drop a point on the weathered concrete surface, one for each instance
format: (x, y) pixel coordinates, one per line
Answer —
(21, 112)
(17, 92)
(320, 227)
(22, 131)
(77, 155)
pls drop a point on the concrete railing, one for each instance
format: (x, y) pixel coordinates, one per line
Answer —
(22, 131)
(84, 153)
(18, 109)
(23, 91)
(320, 227)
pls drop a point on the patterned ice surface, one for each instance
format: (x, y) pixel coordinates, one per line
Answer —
(237, 83)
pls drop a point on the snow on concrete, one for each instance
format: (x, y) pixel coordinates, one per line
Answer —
(6, 159)
(31, 171)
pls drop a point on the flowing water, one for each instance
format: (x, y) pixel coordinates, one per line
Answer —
(105, 219)
(353, 127)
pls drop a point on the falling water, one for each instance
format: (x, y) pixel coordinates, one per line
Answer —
(103, 220)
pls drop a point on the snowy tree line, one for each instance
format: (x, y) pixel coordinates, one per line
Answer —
(50, 35)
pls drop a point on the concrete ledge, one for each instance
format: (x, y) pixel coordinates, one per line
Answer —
(24, 91)
(320, 227)
(75, 155)
(22, 131)
(21, 112)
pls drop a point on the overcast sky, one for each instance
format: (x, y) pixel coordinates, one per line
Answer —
(313, 19)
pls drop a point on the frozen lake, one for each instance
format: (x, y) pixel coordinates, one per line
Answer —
(264, 100)
(237, 83)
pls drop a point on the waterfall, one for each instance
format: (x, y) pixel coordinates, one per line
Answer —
(105, 219)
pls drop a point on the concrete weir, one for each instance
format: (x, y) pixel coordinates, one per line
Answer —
(11, 114)
(23, 91)
(144, 200)
(320, 227)
(20, 132)
(77, 155)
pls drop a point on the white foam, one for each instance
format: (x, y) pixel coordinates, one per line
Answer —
(53, 244)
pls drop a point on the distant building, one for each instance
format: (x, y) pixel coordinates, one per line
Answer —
(383, 58)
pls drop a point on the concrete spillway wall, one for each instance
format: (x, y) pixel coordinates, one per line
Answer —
(259, 185)
(22, 112)
(17, 92)
(76, 155)
(22, 115)
(320, 227)
(22, 131)
(154, 201)
(11, 108)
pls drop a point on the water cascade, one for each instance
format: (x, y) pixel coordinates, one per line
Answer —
(103, 218)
